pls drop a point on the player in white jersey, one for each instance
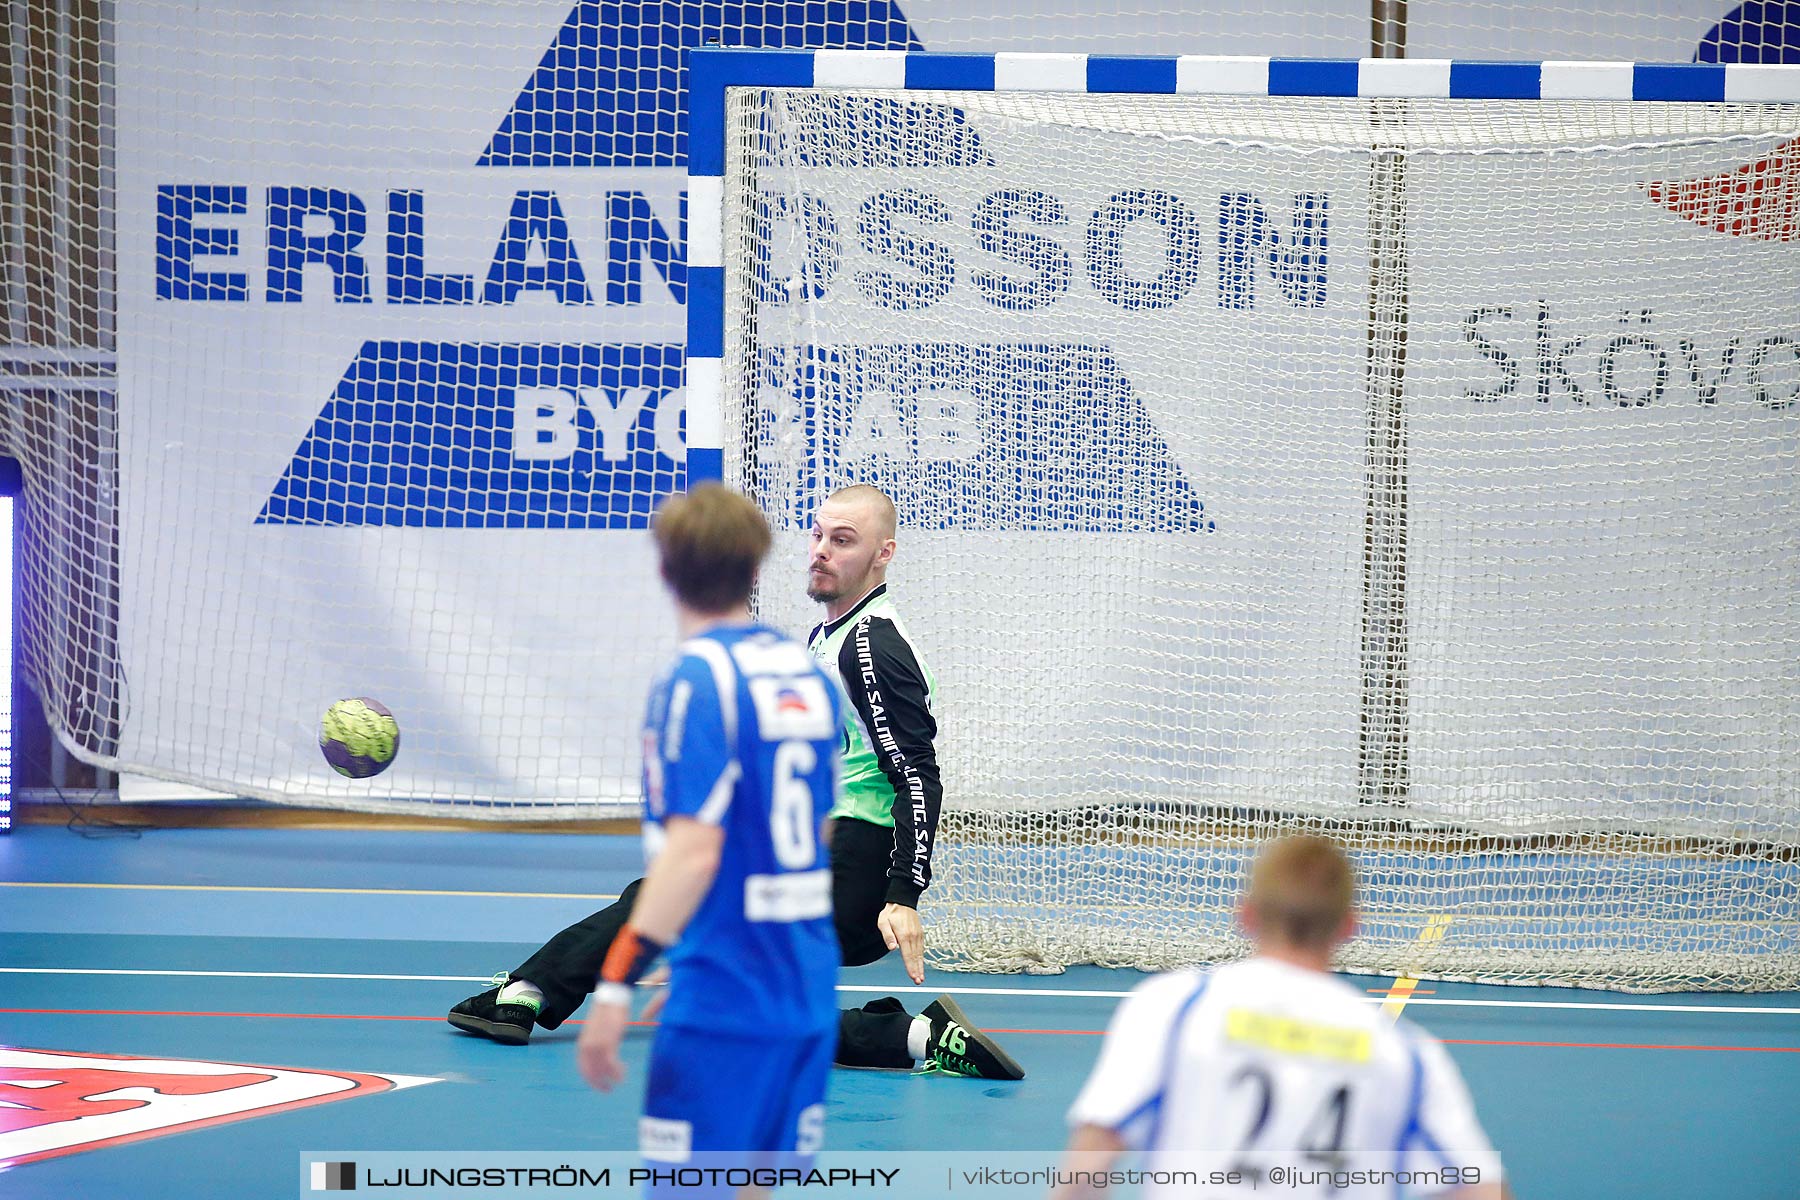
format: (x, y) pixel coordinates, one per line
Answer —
(1272, 1076)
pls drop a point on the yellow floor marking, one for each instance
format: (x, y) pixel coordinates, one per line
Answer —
(1406, 986)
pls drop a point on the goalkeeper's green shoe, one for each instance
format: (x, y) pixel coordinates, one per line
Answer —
(956, 1047)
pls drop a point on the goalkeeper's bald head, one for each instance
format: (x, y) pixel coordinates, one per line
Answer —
(852, 545)
(874, 502)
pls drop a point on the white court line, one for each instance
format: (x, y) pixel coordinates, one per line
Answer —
(893, 991)
(1485, 918)
(314, 891)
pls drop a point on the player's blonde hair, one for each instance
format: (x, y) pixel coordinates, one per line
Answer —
(878, 501)
(711, 541)
(1301, 889)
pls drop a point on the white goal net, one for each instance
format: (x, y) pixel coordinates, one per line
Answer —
(1421, 471)
(343, 345)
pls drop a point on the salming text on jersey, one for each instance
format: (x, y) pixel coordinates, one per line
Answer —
(890, 766)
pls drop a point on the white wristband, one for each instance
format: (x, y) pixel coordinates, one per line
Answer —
(612, 993)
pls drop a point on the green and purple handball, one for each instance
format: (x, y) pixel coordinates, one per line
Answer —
(359, 737)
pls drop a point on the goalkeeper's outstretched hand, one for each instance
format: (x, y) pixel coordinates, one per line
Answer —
(901, 929)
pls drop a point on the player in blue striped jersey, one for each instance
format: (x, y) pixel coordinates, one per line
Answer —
(740, 768)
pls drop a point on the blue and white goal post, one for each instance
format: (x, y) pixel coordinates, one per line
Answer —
(1402, 449)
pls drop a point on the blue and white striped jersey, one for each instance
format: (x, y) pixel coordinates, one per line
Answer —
(743, 732)
(1287, 1078)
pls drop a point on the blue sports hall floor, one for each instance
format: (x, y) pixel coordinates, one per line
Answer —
(333, 955)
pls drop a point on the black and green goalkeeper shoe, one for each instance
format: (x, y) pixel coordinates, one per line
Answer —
(956, 1047)
(509, 1024)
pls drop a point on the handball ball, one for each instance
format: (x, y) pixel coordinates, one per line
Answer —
(359, 737)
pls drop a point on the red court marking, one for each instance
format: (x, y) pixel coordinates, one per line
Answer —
(362, 1084)
(61, 1094)
(128, 1012)
(1481, 1042)
(139, 1012)
(1621, 1046)
(132, 1012)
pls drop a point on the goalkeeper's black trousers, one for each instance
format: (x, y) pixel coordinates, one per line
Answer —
(566, 967)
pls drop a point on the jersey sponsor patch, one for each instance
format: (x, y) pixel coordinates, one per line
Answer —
(803, 896)
(53, 1103)
(1289, 1036)
(760, 656)
(662, 1139)
(795, 708)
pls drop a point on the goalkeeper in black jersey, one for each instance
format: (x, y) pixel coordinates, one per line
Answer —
(882, 829)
